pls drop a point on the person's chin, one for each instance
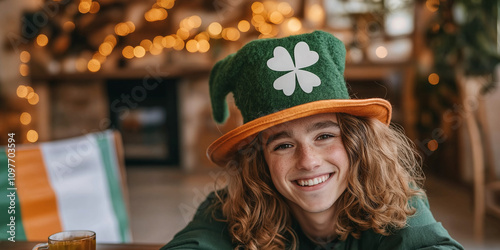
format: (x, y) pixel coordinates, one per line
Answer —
(316, 208)
(317, 205)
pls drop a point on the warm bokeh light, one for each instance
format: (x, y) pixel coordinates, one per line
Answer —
(433, 78)
(258, 20)
(202, 36)
(285, 9)
(194, 21)
(381, 52)
(95, 7)
(68, 65)
(146, 44)
(244, 26)
(266, 29)
(179, 44)
(33, 98)
(156, 14)
(32, 135)
(139, 51)
(168, 41)
(42, 40)
(131, 26)
(22, 91)
(192, 46)
(204, 46)
(432, 5)
(276, 17)
(257, 7)
(185, 24)
(157, 41)
(84, 7)
(128, 52)
(156, 49)
(231, 34)
(24, 70)
(270, 5)
(214, 29)
(183, 33)
(54, 66)
(99, 57)
(123, 29)
(106, 48)
(25, 118)
(30, 94)
(432, 145)
(81, 64)
(68, 26)
(294, 24)
(111, 39)
(94, 65)
(167, 4)
(316, 14)
(25, 56)
(157, 46)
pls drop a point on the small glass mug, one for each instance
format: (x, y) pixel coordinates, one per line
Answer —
(70, 240)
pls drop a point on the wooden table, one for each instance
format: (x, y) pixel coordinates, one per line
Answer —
(24, 245)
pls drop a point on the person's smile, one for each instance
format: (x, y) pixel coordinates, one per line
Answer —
(312, 181)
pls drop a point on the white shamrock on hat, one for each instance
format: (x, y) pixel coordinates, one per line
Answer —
(282, 61)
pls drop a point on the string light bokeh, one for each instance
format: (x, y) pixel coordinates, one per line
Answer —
(193, 34)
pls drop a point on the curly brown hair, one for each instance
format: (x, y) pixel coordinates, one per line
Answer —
(385, 172)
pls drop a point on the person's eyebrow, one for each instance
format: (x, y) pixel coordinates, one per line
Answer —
(322, 125)
(313, 127)
(279, 135)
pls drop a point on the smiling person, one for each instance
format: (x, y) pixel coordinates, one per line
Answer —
(310, 168)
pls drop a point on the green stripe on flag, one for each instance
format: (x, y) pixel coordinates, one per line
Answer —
(108, 153)
(8, 193)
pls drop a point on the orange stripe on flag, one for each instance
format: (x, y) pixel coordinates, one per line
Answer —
(37, 198)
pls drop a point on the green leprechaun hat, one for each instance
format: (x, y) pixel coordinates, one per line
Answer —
(278, 80)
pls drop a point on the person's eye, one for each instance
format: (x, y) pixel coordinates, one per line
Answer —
(325, 136)
(282, 146)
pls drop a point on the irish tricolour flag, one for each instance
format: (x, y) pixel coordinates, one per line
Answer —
(63, 185)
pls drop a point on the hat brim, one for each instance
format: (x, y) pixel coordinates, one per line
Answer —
(221, 150)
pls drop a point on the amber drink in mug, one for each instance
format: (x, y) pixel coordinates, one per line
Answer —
(69, 240)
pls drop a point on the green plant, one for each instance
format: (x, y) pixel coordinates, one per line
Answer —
(463, 34)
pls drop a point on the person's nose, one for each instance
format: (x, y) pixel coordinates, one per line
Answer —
(307, 158)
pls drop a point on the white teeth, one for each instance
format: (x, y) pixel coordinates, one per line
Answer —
(312, 182)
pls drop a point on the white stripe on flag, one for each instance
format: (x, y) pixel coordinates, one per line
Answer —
(76, 172)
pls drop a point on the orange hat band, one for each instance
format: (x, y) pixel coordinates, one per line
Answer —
(221, 150)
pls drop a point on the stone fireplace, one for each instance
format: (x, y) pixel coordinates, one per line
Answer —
(146, 114)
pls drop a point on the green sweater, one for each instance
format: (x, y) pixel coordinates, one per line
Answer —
(422, 232)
